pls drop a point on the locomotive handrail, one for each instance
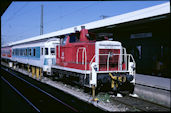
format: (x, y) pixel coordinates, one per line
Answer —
(108, 61)
(134, 63)
(126, 56)
(91, 61)
(84, 51)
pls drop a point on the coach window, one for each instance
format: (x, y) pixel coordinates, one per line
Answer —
(21, 52)
(34, 52)
(46, 51)
(26, 52)
(52, 51)
(42, 51)
(29, 52)
(17, 52)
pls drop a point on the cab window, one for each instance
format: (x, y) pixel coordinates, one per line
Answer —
(72, 39)
(64, 41)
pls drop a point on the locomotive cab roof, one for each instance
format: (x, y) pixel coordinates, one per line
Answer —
(79, 37)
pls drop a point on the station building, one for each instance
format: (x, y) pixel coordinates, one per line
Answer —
(145, 34)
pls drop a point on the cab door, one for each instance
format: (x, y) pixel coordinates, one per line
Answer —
(64, 49)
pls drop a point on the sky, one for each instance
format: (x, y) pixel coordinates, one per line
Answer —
(22, 19)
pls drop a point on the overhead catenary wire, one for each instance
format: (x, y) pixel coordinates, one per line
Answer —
(70, 13)
(16, 12)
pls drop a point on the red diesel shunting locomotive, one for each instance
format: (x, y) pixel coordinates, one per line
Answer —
(94, 63)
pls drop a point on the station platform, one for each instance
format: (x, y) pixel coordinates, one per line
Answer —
(153, 81)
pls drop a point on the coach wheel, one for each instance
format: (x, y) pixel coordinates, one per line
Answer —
(17, 66)
(44, 74)
(86, 89)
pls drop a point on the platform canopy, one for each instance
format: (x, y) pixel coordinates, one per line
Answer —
(127, 17)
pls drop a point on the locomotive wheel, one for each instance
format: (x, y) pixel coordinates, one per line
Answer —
(131, 88)
(53, 77)
(81, 80)
(115, 90)
(60, 75)
(56, 78)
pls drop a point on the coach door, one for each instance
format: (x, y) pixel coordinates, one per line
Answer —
(42, 55)
(52, 54)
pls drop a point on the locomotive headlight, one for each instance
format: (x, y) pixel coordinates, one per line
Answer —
(133, 67)
(130, 66)
(95, 67)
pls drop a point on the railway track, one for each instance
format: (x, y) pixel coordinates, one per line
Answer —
(36, 97)
(130, 103)
(138, 104)
(41, 100)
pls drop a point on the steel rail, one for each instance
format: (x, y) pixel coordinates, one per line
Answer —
(42, 90)
(138, 105)
(141, 99)
(20, 94)
(153, 87)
